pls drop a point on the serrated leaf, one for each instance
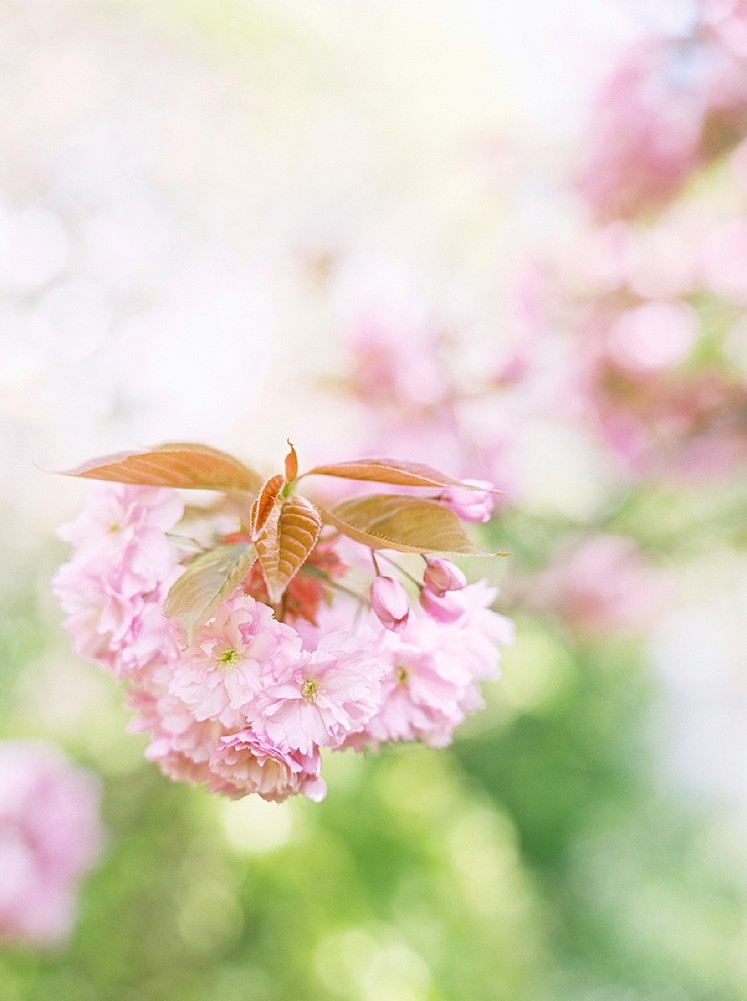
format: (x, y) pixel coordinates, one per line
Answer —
(208, 580)
(405, 523)
(266, 502)
(174, 464)
(290, 536)
(395, 471)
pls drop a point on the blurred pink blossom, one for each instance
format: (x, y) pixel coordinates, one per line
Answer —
(50, 837)
(644, 135)
(604, 584)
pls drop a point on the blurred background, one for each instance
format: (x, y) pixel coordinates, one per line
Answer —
(506, 239)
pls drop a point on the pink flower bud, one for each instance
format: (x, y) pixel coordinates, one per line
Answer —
(442, 608)
(470, 505)
(441, 576)
(390, 602)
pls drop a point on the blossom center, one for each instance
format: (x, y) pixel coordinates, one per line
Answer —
(229, 658)
(402, 674)
(309, 689)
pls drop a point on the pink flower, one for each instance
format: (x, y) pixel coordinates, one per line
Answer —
(470, 505)
(441, 576)
(50, 836)
(390, 602)
(248, 762)
(180, 745)
(443, 608)
(321, 698)
(110, 619)
(233, 654)
(127, 524)
(431, 668)
(604, 584)
(113, 588)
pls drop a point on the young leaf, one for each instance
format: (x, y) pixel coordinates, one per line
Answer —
(207, 581)
(291, 463)
(265, 503)
(403, 474)
(174, 464)
(289, 537)
(405, 523)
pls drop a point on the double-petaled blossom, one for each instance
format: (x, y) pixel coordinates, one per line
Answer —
(322, 697)
(249, 762)
(113, 588)
(233, 656)
(246, 704)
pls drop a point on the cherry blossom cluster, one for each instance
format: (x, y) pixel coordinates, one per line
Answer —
(246, 704)
(50, 837)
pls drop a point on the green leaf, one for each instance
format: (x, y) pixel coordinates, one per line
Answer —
(174, 464)
(289, 537)
(405, 523)
(403, 474)
(208, 580)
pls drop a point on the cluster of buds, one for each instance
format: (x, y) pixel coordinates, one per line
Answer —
(241, 630)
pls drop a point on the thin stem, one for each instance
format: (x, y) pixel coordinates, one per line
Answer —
(405, 573)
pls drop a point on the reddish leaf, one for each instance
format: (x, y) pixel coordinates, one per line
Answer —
(290, 535)
(174, 464)
(405, 523)
(265, 503)
(208, 580)
(403, 474)
(291, 463)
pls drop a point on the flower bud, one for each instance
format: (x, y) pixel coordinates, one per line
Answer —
(442, 608)
(441, 576)
(390, 602)
(470, 505)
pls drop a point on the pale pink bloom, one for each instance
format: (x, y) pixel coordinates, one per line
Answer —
(442, 575)
(431, 669)
(421, 689)
(50, 837)
(470, 505)
(129, 524)
(441, 607)
(323, 696)
(233, 654)
(390, 602)
(112, 589)
(110, 619)
(248, 762)
(480, 633)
